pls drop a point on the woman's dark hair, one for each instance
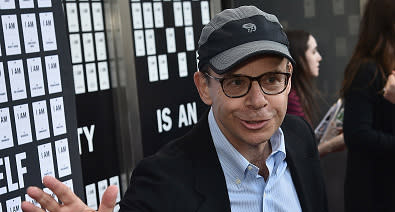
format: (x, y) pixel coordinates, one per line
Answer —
(376, 41)
(302, 80)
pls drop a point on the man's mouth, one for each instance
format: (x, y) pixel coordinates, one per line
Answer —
(254, 124)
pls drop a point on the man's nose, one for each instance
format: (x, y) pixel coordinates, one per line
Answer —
(255, 97)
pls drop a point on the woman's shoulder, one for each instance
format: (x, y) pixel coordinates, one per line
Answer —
(293, 95)
(294, 99)
(367, 70)
(368, 74)
(294, 105)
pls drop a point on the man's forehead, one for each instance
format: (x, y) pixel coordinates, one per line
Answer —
(271, 62)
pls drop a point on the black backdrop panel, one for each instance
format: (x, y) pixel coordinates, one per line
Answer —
(94, 115)
(168, 100)
(37, 105)
(94, 97)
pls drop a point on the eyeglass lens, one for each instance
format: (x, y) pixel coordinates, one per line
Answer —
(270, 83)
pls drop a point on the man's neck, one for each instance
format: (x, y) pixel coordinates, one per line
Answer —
(260, 160)
(258, 156)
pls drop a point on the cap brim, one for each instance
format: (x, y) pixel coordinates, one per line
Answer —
(230, 58)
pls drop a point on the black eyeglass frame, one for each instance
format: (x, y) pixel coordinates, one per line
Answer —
(252, 79)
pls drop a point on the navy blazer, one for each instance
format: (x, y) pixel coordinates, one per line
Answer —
(186, 174)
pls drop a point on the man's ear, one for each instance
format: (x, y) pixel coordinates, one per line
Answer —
(290, 70)
(290, 67)
(201, 84)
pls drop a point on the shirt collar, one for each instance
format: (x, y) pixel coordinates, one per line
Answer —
(231, 160)
(278, 143)
(278, 154)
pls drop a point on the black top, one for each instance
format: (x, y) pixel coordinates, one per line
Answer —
(369, 123)
(186, 174)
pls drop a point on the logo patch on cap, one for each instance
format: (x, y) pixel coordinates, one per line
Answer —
(250, 27)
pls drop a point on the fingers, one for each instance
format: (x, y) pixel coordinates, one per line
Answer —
(45, 200)
(48, 202)
(340, 138)
(60, 189)
(109, 199)
(29, 207)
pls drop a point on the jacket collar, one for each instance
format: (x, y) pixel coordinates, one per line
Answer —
(299, 164)
(209, 177)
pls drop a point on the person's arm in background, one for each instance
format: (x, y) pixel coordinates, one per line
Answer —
(389, 88)
(335, 144)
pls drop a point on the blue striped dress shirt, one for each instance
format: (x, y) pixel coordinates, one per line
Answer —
(248, 191)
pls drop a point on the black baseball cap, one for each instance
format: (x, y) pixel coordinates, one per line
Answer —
(234, 35)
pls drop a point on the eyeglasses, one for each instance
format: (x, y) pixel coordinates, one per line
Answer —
(237, 85)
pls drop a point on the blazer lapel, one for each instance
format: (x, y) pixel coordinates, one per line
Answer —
(209, 178)
(297, 165)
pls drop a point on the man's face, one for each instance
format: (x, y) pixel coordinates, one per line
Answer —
(248, 121)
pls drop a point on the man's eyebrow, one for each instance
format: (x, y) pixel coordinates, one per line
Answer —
(271, 71)
(280, 70)
(230, 74)
(274, 70)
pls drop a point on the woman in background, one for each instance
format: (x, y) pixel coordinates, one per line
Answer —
(369, 115)
(302, 98)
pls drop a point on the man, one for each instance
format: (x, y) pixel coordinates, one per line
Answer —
(237, 158)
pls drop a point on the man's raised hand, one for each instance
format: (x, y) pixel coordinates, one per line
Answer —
(70, 202)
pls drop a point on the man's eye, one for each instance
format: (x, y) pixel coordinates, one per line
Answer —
(237, 82)
(272, 79)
